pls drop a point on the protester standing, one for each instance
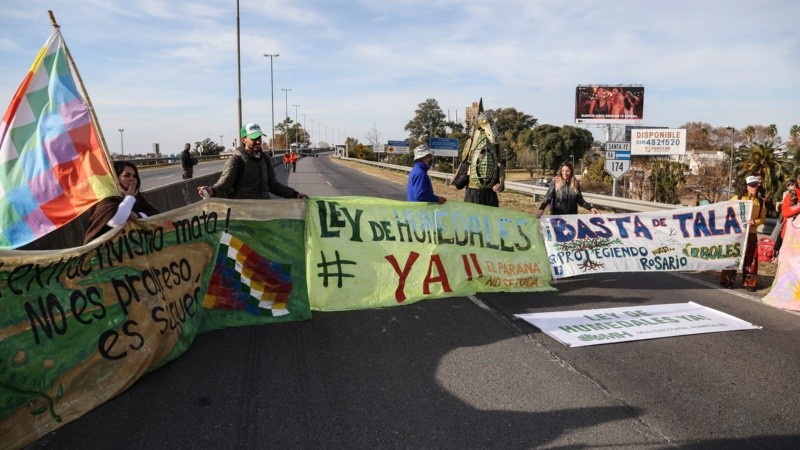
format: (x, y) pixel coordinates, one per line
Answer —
(293, 160)
(249, 173)
(777, 232)
(187, 162)
(487, 174)
(564, 194)
(758, 216)
(420, 188)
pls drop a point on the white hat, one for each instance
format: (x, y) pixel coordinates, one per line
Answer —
(421, 152)
(752, 179)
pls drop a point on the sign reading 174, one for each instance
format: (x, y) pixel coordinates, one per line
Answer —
(618, 158)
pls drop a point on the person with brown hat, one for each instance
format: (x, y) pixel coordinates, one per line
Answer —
(758, 215)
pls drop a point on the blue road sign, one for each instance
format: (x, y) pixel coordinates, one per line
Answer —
(439, 143)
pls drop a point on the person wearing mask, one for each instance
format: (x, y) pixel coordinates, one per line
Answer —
(187, 162)
(249, 173)
(758, 216)
(419, 187)
(115, 211)
(564, 194)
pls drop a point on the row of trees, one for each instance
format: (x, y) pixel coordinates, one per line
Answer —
(756, 149)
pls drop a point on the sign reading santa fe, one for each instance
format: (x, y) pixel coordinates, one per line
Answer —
(658, 141)
(618, 158)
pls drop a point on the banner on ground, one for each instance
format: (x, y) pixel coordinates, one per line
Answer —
(785, 292)
(710, 237)
(79, 326)
(633, 323)
(364, 252)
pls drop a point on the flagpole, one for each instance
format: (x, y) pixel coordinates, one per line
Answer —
(85, 94)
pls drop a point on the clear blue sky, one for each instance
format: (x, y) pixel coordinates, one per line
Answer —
(165, 71)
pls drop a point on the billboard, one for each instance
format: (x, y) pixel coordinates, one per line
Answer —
(602, 103)
(658, 141)
(397, 147)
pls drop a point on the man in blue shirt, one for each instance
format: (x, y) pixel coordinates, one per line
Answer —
(420, 188)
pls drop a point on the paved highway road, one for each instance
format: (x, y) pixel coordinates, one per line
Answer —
(463, 373)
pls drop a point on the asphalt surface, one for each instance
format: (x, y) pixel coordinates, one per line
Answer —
(464, 373)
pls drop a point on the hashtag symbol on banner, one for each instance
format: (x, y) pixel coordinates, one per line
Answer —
(338, 262)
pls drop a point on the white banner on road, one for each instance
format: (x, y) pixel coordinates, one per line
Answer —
(633, 323)
(709, 237)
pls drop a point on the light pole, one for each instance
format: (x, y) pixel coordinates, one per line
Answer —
(311, 135)
(304, 125)
(220, 141)
(730, 170)
(272, 96)
(295, 121)
(286, 115)
(121, 143)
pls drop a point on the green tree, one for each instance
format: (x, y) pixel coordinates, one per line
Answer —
(428, 121)
(664, 180)
(511, 124)
(763, 159)
(208, 147)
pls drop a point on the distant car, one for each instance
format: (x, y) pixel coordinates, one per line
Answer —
(544, 182)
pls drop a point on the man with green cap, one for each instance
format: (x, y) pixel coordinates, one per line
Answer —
(249, 173)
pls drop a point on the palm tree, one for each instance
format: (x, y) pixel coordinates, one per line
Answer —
(763, 159)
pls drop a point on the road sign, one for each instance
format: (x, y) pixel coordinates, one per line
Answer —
(617, 167)
(443, 146)
(397, 147)
(618, 158)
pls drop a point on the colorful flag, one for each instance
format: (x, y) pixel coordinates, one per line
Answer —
(52, 166)
(243, 280)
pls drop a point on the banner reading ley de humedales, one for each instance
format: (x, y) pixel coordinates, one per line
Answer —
(710, 237)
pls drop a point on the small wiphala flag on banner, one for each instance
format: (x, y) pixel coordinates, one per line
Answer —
(243, 280)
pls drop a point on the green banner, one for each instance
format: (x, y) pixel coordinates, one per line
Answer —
(79, 326)
(365, 252)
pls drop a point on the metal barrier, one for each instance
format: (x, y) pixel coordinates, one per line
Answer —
(603, 201)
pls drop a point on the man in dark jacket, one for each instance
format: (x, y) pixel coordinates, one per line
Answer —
(420, 188)
(187, 162)
(249, 173)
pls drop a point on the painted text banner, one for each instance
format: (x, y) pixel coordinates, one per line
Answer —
(364, 252)
(81, 325)
(710, 237)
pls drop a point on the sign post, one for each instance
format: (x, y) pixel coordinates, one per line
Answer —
(443, 146)
(618, 161)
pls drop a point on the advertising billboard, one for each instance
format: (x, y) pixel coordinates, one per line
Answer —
(603, 103)
(658, 141)
(397, 147)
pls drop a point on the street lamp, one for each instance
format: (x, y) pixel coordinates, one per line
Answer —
(304, 126)
(295, 122)
(311, 135)
(121, 143)
(286, 115)
(220, 141)
(730, 170)
(272, 95)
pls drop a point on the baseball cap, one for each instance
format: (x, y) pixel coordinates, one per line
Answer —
(421, 151)
(752, 180)
(251, 131)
